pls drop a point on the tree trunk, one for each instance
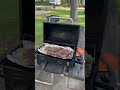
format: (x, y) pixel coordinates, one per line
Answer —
(73, 11)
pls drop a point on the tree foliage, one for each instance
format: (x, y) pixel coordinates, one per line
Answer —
(65, 3)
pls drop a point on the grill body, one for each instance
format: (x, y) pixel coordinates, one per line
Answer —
(63, 35)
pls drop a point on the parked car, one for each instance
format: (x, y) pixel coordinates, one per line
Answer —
(83, 2)
(55, 2)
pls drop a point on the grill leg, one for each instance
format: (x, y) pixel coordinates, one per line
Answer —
(74, 84)
(42, 78)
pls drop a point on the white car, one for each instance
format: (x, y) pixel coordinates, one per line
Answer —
(83, 2)
(55, 2)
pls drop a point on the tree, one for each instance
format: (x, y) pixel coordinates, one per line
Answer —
(73, 11)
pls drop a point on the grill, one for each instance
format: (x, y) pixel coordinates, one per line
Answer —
(63, 35)
(18, 77)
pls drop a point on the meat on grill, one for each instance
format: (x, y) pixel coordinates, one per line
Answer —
(58, 52)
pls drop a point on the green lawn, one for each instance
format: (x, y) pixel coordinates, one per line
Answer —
(63, 13)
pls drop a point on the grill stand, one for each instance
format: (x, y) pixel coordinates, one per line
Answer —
(44, 72)
(74, 84)
(41, 76)
(76, 72)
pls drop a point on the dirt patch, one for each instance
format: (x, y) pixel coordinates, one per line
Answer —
(39, 13)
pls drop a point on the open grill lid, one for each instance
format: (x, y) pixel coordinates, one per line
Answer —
(61, 33)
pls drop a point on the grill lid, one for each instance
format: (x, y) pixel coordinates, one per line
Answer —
(61, 33)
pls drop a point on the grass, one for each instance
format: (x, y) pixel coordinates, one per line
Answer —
(63, 13)
(38, 30)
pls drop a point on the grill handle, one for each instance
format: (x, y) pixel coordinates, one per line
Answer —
(61, 18)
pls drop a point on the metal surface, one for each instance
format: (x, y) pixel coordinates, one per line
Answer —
(76, 72)
(60, 67)
(55, 68)
(49, 81)
(61, 18)
(61, 33)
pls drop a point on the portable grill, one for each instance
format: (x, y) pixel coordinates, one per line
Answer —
(63, 35)
(52, 35)
(18, 77)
